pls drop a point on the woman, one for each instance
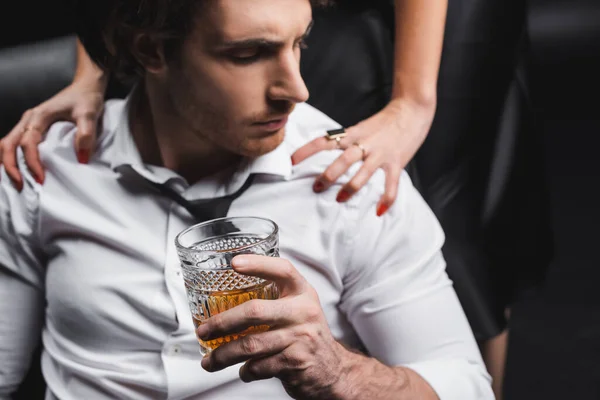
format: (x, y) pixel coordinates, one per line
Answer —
(386, 102)
(351, 44)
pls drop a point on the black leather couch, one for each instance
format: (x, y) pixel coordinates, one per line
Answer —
(555, 334)
(31, 73)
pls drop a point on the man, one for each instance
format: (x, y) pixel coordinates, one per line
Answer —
(214, 105)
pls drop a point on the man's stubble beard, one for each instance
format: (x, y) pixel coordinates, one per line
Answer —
(210, 123)
(200, 116)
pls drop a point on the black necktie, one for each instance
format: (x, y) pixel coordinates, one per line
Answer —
(203, 209)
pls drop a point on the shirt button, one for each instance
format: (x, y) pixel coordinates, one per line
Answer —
(176, 349)
(178, 273)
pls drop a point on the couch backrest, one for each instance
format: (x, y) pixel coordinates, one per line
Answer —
(31, 73)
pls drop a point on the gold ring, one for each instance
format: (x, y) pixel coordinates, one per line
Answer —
(362, 148)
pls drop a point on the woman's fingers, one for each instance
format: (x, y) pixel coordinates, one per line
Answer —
(86, 117)
(40, 120)
(8, 149)
(359, 180)
(28, 134)
(85, 137)
(77, 104)
(386, 140)
(29, 143)
(392, 181)
(313, 147)
(337, 169)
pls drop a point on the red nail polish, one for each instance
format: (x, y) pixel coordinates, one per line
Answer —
(83, 156)
(39, 180)
(18, 185)
(342, 196)
(381, 209)
(318, 186)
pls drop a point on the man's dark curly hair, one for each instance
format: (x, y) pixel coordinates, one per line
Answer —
(107, 28)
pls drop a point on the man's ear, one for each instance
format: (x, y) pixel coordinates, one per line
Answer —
(150, 53)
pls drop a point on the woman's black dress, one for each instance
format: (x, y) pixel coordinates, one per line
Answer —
(482, 181)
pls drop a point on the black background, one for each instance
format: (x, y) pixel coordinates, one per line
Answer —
(555, 335)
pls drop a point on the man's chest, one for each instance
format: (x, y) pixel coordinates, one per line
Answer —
(113, 270)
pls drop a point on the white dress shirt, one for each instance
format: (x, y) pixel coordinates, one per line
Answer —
(89, 260)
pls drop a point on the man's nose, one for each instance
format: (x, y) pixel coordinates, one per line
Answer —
(287, 83)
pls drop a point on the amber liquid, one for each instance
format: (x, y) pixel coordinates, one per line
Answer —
(212, 303)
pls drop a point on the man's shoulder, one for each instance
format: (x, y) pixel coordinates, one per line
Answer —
(308, 123)
(305, 124)
(61, 134)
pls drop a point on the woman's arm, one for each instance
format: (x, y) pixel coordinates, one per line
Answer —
(87, 72)
(81, 103)
(392, 137)
(418, 49)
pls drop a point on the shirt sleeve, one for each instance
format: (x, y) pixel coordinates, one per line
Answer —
(21, 282)
(401, 302)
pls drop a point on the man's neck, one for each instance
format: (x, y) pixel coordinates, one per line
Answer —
(163, 139)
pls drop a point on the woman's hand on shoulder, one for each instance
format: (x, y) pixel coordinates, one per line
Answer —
(79, 103)
(387, 140)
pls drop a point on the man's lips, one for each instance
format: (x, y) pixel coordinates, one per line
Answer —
(273, 124)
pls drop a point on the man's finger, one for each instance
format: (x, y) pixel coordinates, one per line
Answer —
(278, 270)
(254, 345)
(256, 369)
(248, 314)
(312, 148)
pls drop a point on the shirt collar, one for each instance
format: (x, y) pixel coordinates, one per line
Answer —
(277, 162)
